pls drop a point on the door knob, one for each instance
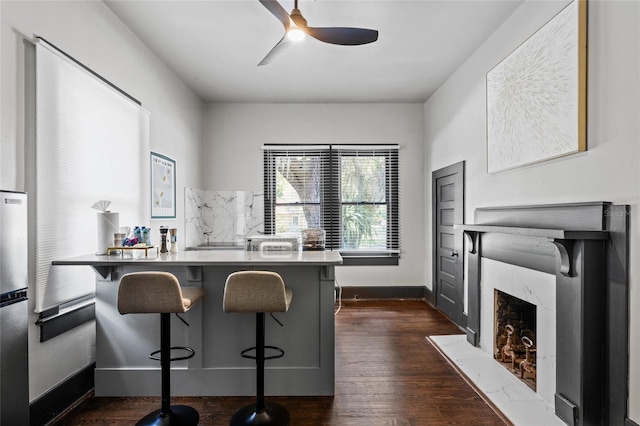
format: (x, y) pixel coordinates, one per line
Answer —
(454, 253)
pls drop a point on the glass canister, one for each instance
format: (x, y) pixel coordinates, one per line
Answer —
(313, 239)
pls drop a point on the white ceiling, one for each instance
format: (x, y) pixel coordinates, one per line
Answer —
(215, 46)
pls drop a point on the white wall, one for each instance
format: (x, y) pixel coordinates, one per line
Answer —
(608, 171)
(91, 33)
(233, 161)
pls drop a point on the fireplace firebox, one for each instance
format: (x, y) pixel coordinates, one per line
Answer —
(514, 340)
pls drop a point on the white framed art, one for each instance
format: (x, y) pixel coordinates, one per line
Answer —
(536, 96)
(163, 187)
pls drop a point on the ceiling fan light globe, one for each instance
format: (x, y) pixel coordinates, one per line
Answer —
(295, 34)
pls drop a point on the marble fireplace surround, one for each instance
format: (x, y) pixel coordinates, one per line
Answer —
(537, 288)
(585, 246)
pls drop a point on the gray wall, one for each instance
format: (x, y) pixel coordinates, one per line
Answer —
(233, 157)
(91, 33)
(455, 130)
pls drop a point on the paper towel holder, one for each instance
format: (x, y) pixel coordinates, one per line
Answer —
(107, 225)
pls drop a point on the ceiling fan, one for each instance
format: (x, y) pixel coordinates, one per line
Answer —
(296, 26)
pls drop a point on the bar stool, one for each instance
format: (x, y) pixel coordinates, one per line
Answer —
(258, 292)
(160, 292)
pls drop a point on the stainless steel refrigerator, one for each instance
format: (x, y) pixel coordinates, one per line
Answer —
(14, 356)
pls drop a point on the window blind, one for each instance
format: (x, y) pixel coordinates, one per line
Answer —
(377, 189)
(91, 144)
(303, 189)
(351, 191)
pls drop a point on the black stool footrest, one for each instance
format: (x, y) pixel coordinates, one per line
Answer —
(173, 348)
(280, 353)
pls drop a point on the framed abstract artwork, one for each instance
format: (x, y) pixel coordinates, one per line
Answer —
(163, 187)
(536, 96)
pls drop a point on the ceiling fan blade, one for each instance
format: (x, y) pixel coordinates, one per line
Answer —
(282, 44)
(278, 11)
(343, 36)
(298, 19)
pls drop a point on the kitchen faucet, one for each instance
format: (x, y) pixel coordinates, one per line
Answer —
(206, 234)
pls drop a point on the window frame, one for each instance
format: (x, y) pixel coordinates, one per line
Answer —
(331, 203)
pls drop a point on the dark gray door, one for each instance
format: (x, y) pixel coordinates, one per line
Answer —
(448, 209)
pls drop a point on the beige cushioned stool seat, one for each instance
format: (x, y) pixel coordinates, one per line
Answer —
(256, 291)
(155, 292)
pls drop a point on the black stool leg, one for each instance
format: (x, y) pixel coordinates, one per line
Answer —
(177, 415)
(262, 412)
(260, 331)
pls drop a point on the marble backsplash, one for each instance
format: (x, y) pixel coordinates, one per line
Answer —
(222, 216)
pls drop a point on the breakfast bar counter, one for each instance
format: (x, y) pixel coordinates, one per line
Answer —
(123, 342)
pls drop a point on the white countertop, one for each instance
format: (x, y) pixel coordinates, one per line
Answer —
(208, 257)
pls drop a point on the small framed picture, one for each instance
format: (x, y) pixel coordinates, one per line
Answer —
(163, 187)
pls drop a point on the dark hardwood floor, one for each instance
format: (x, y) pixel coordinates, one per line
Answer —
(387, 373)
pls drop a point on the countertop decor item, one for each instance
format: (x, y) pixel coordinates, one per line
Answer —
(313, 239)
(173, 232)
(163, 239)
(122, 249)
(108, 225)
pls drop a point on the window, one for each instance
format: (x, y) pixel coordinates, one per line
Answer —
(350, 191)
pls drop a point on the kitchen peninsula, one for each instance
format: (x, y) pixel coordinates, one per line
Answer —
(307, 333)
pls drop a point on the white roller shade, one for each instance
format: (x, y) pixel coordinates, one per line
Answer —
(92, 143)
